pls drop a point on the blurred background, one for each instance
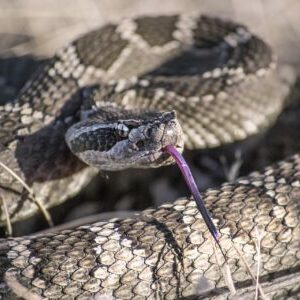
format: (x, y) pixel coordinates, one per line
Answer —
(40, 27)
(31, 31)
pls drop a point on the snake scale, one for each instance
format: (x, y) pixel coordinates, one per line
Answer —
(222, 82)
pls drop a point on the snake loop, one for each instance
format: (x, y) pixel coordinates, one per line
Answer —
(116, 96)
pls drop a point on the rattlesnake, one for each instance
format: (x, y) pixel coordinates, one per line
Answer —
(222, 82)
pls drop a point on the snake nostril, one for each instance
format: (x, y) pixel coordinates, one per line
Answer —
(140, 144)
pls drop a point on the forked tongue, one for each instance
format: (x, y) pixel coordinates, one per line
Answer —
(189, 179)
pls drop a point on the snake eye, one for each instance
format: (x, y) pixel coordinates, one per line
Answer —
(122, 130)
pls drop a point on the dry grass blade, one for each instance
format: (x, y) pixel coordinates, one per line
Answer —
(258, 286)
(40, 205)
(225, 271)
(258, 245)
(7, 218)
(231, 172)
(20, 290)
(16, 176)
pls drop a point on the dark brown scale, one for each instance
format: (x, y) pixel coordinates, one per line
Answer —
(156, 31)
(100, 48)
(210, 32)
(259, 54)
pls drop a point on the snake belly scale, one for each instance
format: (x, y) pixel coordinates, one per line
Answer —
(222, 82)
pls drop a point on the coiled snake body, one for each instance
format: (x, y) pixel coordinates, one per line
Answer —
(222, 82)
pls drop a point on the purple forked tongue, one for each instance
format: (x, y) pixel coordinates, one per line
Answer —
(189, 179)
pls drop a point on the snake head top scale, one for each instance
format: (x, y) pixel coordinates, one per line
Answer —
(135, 140)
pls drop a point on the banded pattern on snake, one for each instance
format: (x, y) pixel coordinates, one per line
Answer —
(220, 79)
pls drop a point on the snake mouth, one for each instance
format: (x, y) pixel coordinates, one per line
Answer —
(160, 157)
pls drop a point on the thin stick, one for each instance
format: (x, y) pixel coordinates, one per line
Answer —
(7, 217)
(225, 269)
(258, 247)
(16, 176)
(44, 211)
(250, 271)
(40, 205)
(232, 172)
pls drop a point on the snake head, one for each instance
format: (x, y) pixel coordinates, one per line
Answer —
(135, 141)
